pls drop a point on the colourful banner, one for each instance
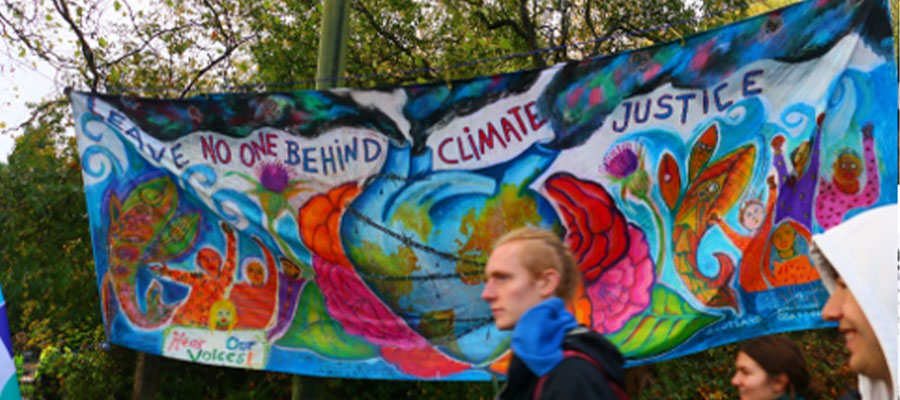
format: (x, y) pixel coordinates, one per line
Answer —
(344, 232)
(8, 378)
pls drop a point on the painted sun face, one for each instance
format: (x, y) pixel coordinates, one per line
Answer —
(753, 215)
(256, 274)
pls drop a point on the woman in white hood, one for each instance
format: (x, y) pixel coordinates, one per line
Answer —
(857, 261)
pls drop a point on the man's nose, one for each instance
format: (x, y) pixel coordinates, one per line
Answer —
(488, 293)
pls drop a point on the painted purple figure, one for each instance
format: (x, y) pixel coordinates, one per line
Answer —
(842, 193)
(290, 285)
(796, 190)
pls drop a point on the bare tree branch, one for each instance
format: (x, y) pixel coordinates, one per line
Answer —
(217, 21)
(227, 53)
(146, 43)
(27, 40)
(358, 6)
(499, 23)
(530, 34)
(564, 30)
(35, 114)
(63, 9)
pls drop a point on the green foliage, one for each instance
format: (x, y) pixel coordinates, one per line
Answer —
(88, 374)
(46, 263)
(357, 389)
(707, 374)
(184, 380)
(406, 42)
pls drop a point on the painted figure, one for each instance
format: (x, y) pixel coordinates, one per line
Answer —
(757, 220)
(770, 257)
(254, 299)
(839, 196)
(797, 188)
(224, 316)
(715, 190)
(143, 229)
(207, 285)
(784, 241)
(788, 260)
(290, 285)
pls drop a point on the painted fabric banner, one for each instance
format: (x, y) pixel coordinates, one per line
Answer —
(8, 378)
(344, 232)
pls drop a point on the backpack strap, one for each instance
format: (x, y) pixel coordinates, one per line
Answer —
(620, 394)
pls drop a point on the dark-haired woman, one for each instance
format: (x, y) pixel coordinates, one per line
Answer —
(772, 368)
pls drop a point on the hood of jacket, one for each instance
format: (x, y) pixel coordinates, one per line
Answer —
(538, 335)
(601, 350)
(863, 252)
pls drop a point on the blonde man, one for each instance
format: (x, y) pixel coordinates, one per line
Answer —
(530, 275)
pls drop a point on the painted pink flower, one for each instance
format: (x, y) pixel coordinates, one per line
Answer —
(623, 290)
(361, 313)
(350, 302)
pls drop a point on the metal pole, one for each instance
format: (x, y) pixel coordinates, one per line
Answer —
(331, 63)
(333, 37)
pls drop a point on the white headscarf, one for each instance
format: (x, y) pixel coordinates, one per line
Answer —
(863, 251)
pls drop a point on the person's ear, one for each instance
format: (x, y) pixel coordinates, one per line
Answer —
(780, 383)
(548, 282)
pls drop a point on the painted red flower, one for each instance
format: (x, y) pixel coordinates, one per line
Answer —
(613, 255)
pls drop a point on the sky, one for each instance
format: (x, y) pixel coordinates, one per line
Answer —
(22, 81)
(30, 80)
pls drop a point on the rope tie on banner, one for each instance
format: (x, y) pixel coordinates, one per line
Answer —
(445, 69)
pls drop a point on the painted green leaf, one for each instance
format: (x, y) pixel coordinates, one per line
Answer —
(668, 322)
(315, 330)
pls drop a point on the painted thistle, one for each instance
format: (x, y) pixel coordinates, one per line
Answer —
(274, 177)
(625, 165)
(274, 187)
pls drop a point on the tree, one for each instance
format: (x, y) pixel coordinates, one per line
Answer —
(403, 42)
(53, 294)
(183, 47)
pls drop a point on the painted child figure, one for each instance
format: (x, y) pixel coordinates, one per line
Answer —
(788, 260)
(207, 285)
(290, 286)
(757, 220)
(841, 194)
(254, 300)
